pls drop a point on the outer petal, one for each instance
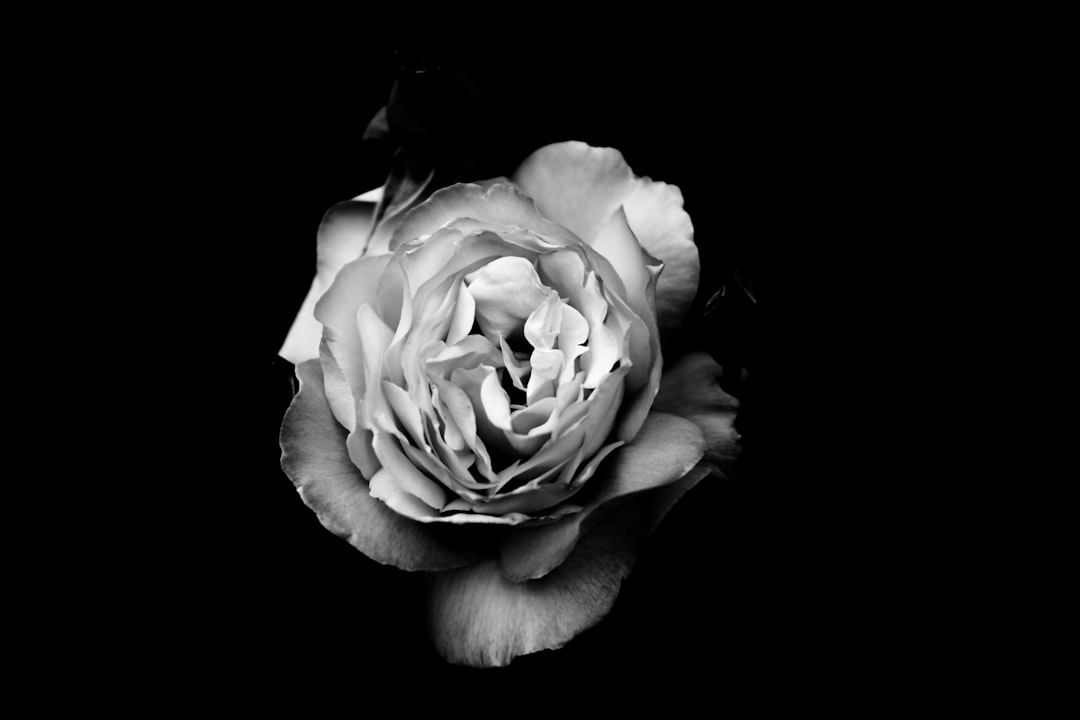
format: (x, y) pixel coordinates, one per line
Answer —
(579, 186)
(666, 448)
(477, 617)
(315, 459)
(342, 237)
(690, 390)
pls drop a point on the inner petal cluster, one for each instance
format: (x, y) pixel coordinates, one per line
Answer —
(517, 388)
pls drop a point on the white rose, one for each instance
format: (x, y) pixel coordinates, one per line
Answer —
(490, 361)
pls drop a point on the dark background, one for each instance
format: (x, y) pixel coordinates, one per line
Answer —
(750, 579)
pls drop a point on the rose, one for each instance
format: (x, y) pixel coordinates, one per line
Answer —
(491, 358)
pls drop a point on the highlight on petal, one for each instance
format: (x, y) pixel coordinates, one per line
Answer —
(341, 239)
(315, 459)
(691, 390)
(665, 449)
(580, 187)
(479, 618)
(617, 242)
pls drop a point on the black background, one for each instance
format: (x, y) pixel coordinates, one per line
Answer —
(745, 582)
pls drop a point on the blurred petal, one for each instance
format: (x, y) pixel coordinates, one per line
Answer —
(665, 449)
(341, 239)
(580, 187)
(315, 459)
(479, 618)
(691, 390)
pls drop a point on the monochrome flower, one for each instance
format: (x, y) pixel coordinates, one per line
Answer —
(483, 394)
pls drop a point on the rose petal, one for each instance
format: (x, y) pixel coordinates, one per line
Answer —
(585, 436)
(469, 352)
(502, 204)
(315, 459)
(616, 241)
(339, 393)
(655, 212)
(491, 406)
(665, 449)
(691, 390)
(302, 341)
(507, 291)
(341, 239)
(580, 187)
(404, 473)
(513, 518)
(546, 367)
(643, 339)
(656, 504)
(639, 272)
(464, 316)
(477, 617)
(353, 287)
(385, 488)
(518, 369)
(406, 412)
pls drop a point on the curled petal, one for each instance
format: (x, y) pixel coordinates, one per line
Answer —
(655, 212)
(314, 457)
(616, 241)
(580, 187)
(666, 449)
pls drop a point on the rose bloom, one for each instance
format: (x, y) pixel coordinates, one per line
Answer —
(483, 394)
